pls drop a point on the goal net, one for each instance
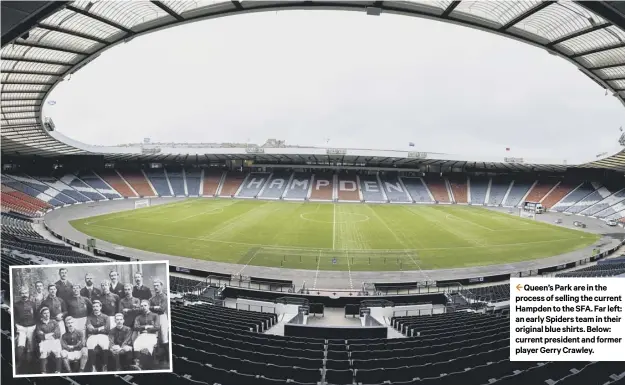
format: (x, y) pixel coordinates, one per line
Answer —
(142, 203)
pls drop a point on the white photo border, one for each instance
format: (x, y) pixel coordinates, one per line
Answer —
(71, 265)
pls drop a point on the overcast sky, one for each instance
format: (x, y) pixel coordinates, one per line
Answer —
(361, 81)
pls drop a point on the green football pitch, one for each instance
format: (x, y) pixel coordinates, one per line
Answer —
(327, 236)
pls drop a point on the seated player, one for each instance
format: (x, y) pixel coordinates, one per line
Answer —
(48, 333)
(24, 312)
(147, 326)
(56, 305)
(73, 345)
(97, 336)
(78, 307)
(120, 339)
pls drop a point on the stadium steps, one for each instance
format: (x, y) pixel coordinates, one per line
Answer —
(322, 187)
(438, 188)
(118, 183)
(459, 189)
(211, 183)
(138, 183)
(231, 184)
(559, 193)
(344, 188)
(539, 191)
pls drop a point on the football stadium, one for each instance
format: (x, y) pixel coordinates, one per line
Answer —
(301, 264)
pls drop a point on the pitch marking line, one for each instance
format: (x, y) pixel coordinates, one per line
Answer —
(334, 228)
(327, 249)
(317, 272)
(248, 262)
(468, 221)
(216, 210)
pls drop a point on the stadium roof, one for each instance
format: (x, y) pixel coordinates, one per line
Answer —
(48, 41)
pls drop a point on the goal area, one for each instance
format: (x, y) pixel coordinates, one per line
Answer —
(141, 203)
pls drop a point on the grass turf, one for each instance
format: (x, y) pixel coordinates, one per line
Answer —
(326, 236)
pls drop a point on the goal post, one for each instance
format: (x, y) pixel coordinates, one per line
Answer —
(141, 203)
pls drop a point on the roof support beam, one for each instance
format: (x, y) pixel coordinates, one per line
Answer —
(450, 9)
(22, 92)
(22, 72)
(100, 19)
(578, 34)
(605, 67)
(237, 5)
(168, 10)
(613, 79)
(72, 33)
(597, 50)
(25, 43)
(526, 14)
(39, 61)
(29, 83)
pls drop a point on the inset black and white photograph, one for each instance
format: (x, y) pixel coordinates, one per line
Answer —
(93, 318)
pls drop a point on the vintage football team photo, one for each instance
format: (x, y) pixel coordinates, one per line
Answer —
(94, 318)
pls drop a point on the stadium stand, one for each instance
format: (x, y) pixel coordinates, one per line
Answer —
(32, 193)
(558, 193)
(519, 189)
(498, 189)
(299, 187)
(495, 293)
(42, 191)
(114, 181)
(62, 188)
(394, 189)
(459, 189)
(479, 187)
(138, 182)
(90, 193)
(253, 184)
(540, 190)
(438, 187)
(323, 187)
(615, 212)
(193, 178)
(575, 196)
(176, 180)
(22, 203)
(607, 202)
(211, 181)
(371, 189)
(417, 189)
(159, 182)
(231, 183)
(18, 227)
(347, 188)
(276, 185)
(601, 269)
(590, 200)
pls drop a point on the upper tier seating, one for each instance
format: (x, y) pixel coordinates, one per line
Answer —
(615, 212)
(323, 186)
(589, 200)
(253, 184)
(231, 183)
(64, 189)
(394, 189)
(72, 181)
(518, 190)
(540, 189)
(194, 180)
(479, 186)
(498, 189)
(176, 179)
(276, 185)
(22, 203)
(557, 194)
(611, 200)
(113, 179)
(299, 187)
(159, 182)
(459, 188)
(417, 189)
(438, 188)
(33, 194)
(371, 189)
(347, 187)
(574, 196)
(138, 182)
